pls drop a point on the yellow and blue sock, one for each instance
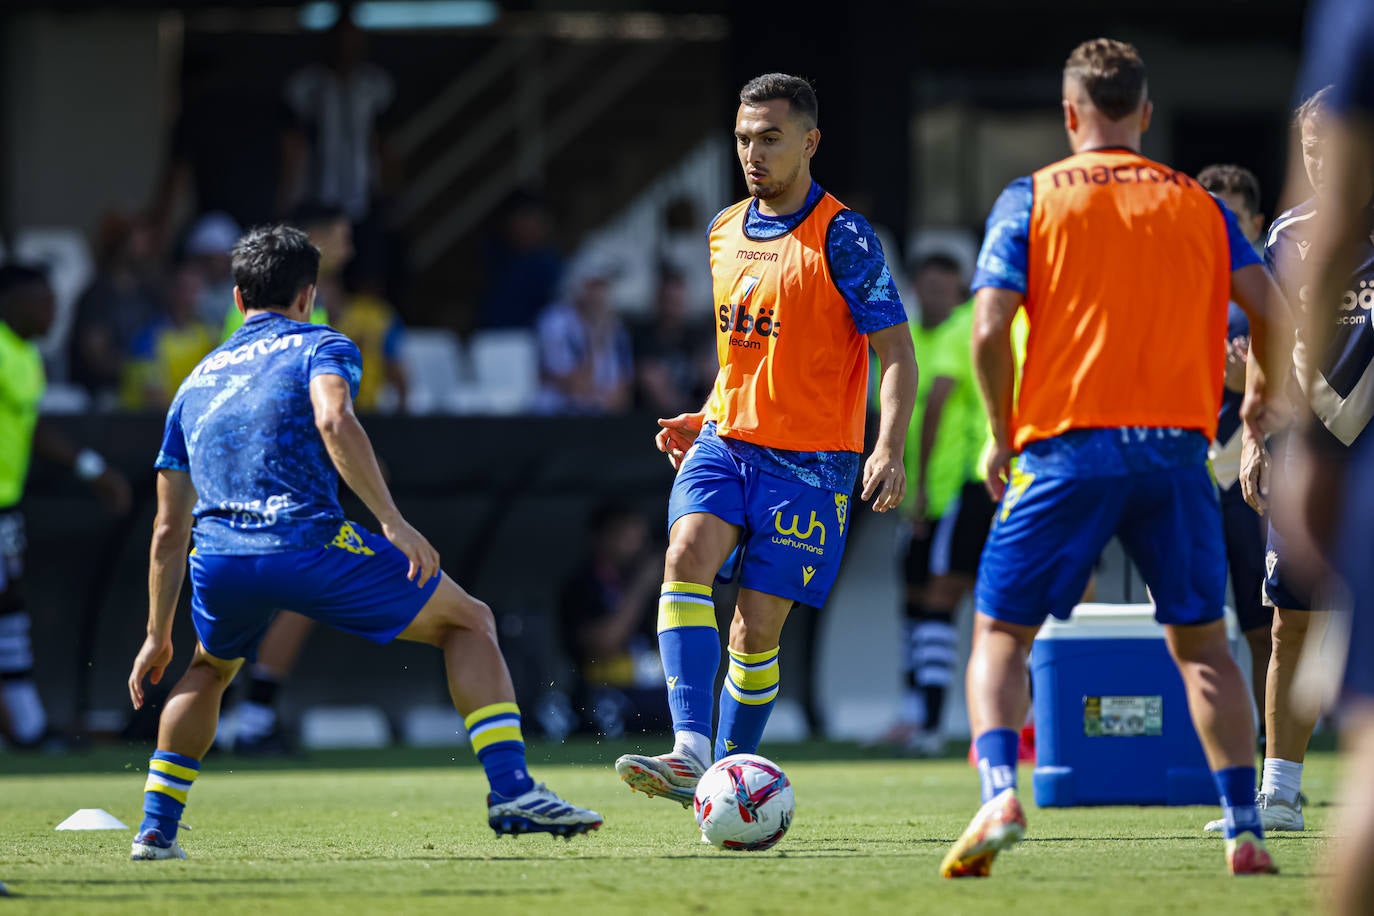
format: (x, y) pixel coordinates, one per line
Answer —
(1236, 786)
(494, 731)
(996, 750)
(751, 689)
(689, 645)
(170, 777)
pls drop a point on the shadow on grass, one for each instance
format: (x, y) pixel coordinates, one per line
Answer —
(133, 757)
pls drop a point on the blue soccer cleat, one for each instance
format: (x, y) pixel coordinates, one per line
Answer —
(538, 811)
(151, 844)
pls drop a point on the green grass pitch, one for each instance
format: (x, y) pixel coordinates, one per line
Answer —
(405, 832)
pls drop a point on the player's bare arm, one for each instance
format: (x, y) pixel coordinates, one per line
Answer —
(351, 451)
(1264, 409)
(995, 365)
(176, 498)
(884, 474)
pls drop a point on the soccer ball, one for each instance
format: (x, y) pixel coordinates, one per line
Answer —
(744, 803)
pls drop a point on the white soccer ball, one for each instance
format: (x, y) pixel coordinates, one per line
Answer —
(744, 803)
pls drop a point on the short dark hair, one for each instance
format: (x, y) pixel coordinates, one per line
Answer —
(1232, 179)
(938, 260)
(794, 89)
(1314, 106)
(1111, 73)
(272, 264)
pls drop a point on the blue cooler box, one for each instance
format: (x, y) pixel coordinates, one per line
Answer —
(1111, 715)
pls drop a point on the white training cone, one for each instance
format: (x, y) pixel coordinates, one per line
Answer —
(92, 819)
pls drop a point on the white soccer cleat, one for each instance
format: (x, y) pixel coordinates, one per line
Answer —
(150, 845)
(539, 810)
(1275, 814)
(673, 775)
(999, 825)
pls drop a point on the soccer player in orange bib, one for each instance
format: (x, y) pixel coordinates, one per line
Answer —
(1125, 267)
(766, 470)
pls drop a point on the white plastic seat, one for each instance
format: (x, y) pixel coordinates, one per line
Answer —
(505, 366)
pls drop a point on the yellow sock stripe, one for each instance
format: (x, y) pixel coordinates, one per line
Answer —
(748, 699)
(690, 588)
(487, 712)
(753, 658)
(490, 736)
(754, 678)
(155, 785)
(673, 614)
(173, 769)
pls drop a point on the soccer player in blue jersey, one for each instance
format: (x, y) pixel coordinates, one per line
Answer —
(255, 443)
(1325, 499)
(1242, 526)
(1338, 390)
(767, 469)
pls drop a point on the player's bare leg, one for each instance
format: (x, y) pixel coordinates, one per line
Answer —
(998, 693)
(464, 629)
(698, 545)
(1220, 706)
(185, 733)
(1354, 853)
(191, 713)
(1260, 641)
(1288, 725)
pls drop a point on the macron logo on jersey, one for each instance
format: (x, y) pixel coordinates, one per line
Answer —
(248, 352)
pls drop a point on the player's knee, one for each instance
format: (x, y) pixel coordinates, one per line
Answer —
(686, 561)
(1290, 627)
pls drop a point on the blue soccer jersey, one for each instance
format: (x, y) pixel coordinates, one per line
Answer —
(860, 272)
(1342, 387)
(243, 426)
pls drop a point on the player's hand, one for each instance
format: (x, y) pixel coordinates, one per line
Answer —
(1254, 472)
(113, 491)
(151, 662)
(677, 435)
(997, 465)
(1237, 353)
(884, 480)
(424, 559)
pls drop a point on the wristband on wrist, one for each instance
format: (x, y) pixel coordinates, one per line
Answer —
(89, 465)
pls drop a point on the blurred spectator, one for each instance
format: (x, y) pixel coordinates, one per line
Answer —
(371, 323)
(683, 250)
(674, 356)
(584, 349)
(523, 267)
(207, 249)
(168, 348)
(335, 154)
(226, 146)
(607, 619)
(122, 298)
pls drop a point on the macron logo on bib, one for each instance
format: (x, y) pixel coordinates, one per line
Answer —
(248, 352)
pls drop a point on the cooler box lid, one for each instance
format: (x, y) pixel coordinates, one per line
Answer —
(1115, 621)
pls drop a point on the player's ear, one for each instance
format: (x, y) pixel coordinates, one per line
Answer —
(238, 301)
(1070, 116)
(811, 141)
(1146, 112)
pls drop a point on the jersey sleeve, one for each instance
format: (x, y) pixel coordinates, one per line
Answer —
(1004, 260)
(172, 455)
(859, 269)
(337, 355)
(1242, 252)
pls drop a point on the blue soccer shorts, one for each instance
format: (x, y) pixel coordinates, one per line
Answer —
(356, 583)
(792, 534)
(1051, 528)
